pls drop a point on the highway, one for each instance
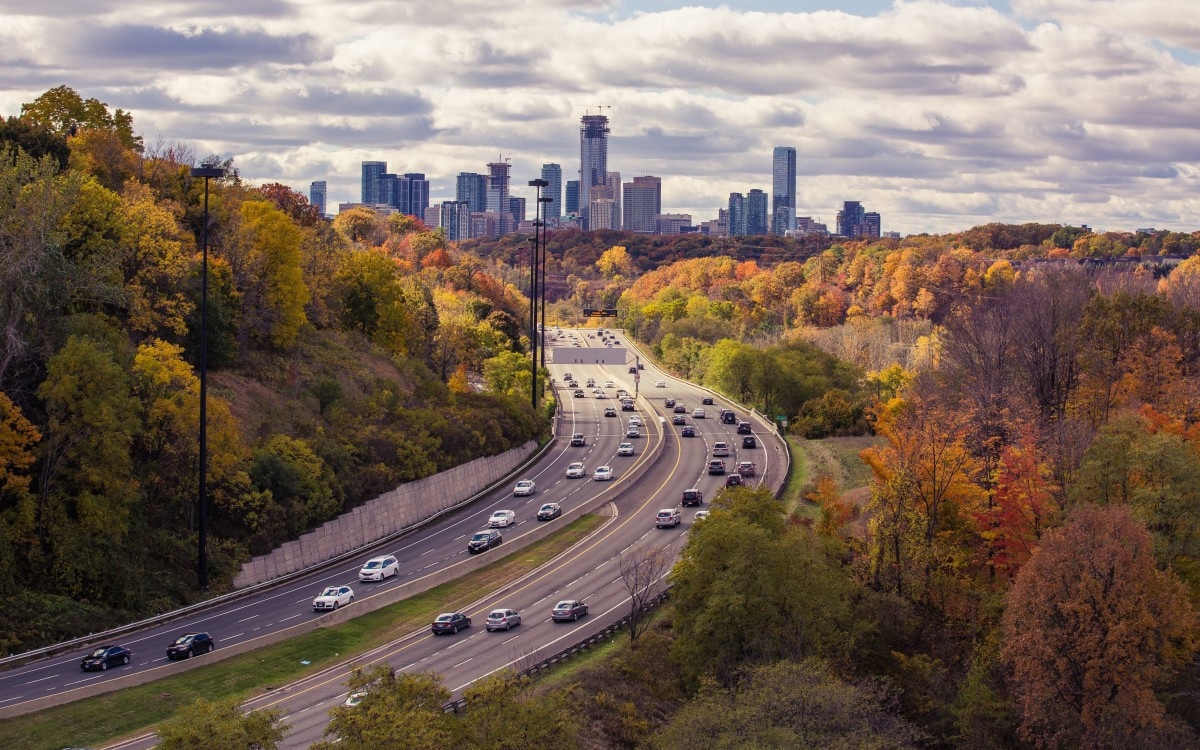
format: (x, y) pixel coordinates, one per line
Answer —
(588, 572)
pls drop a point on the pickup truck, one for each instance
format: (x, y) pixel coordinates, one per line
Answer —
(746, 468)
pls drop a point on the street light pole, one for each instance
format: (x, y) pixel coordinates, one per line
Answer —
(533, 288)
(207, 172)
(545, 256)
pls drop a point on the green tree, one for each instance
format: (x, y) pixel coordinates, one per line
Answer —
(35, 140)
(502, 713)
(221, 725)
(398, 710)
(64, 111)
(299, 480)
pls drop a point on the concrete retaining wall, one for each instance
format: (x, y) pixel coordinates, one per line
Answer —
(404, 507)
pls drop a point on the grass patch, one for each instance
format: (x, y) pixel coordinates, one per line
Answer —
(797, 482)
(855, 473)
(104, 718)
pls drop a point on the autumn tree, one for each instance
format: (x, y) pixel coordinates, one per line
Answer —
(615, 261)
(398, 710)
(269, 274)
(64, 111)
(503, 713)
(221, 725)
(361, 226)
(1091, 629)
(643, 573)
(155, 266)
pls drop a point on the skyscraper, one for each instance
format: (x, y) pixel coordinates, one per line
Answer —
(371, 172)
(571, 197)
(737, 215)
(783, 189)
(456, 220)
(414, 194)
(552, 211)
(642, 200)
(497, 195)
(471, 187)
(317, 195)
(593, 157)
(756, 212)
(516, 207)
(850, 219)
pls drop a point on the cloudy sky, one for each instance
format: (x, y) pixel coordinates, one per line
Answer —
(939, 114)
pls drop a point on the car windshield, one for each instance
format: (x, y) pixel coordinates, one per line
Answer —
(330, 592)
(564, 605)
(547, 507)
(181, 640)
(373, 564)
(445, 618)
(99, 652)
(480, 537)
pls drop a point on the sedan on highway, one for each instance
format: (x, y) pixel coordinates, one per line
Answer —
(568, 609)
(502, 518)
(576, 470)
(450, 622)
(502, 619)
(379, 568)
(633, 431)
(332, 598)
(190, 644)
(105, 657)
(679, 419)
(625, 449)
(688, 431)
(679, 409)
(610, 411)
(707, 401)
(697, 413)
(549, 511)
(484, 540)
(602, 474)
(524, 487)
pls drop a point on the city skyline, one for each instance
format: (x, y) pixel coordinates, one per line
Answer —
(938, 114)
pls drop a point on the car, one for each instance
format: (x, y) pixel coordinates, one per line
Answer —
(669, 403)
(190, 644)
(701, 515)
(635, 420)
(610, 411)
(614, 341)
(660, 384)
(104, 657)
(625, 449)
(746, 469)
(524, 488)
(568, 376)
(355, 698)
(502, 619)
(745, 428)
(484, 540)
(633, 431)
(641, 366)
(707, 400)
(623, 394)
(692, 497)
(578, 393)
(502, 518)
(728, 417)
(627, 405)
(720, 448)
(632, 370)
(667, 517)
(591, 382)
(716, 467)
(678, 419)
(568, 609)
(332, 598)
(697, 413)
(450, 622)
(379, 568)
(549, 511)
(749, 442)
(576, 470)
(572, 383)
(608, 384)
(680, 409)
(600, 394)
(602, 474)
(733, 480)
(688, 431)
(578, 441)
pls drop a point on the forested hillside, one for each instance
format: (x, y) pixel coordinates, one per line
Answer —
(344, 358)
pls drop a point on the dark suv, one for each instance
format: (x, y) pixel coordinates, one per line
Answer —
(716, 467)
(749, 442)
(191, 644)
(484, 540)
(745, 428)
(728, 417)
(692, 497)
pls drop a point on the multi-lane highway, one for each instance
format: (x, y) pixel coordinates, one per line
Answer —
(588, 572)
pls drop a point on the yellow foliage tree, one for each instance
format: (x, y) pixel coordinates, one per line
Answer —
(615, 261)
(17, 437)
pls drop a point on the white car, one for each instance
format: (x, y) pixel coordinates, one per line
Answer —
(379, 568)
(660, 384)
(635, 420)
(502, 518)
(608, 384)
(697, 413)
(633, 431)
(524, 487)
(701, 515)
(332, 598)
(602, 474)
(668, 517)
(720, 449)
(502, 619)
(576, 470)
(625, 449)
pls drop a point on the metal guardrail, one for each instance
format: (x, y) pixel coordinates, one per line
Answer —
(605, 634)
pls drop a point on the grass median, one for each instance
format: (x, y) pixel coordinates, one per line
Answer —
(95, 721)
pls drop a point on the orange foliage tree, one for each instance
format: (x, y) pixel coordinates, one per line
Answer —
(1023, 507)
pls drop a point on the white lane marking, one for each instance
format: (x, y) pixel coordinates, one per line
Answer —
(456, 666)
(14, 698)
(293, 617)
(40, 679)
(246, 619)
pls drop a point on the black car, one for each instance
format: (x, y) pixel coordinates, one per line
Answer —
(728, 417)
(680, 409)
(707, 401)
(641, 366)
(450, 622)
(484, 540)
(105, 657)
(549, 511)
(633, 371)
(688, 431)
(669, 403)
(191, 644)
(733, 480)
(745, 428)
(749, 442)
(692, 497)
(716, 467)
(678, 419)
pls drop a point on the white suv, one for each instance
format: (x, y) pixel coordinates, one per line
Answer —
(379, 568)
(720, 449)
(668, 517)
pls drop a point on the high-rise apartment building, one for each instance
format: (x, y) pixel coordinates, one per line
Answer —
(372, 171)
(456, 220)
(737, 215)
(516, 207)
(642, 199)
(853, 221)
(317, 195)
(571, 197)
(872, 224)
(497, 194)
(604, 213)
(593, 157)
(756, 212)
(414, 194)
(471, 187)
(552, 211)
(783, 190)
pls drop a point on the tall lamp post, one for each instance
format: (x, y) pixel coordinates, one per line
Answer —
(207, 172)
(534, 260)
(545, 254)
